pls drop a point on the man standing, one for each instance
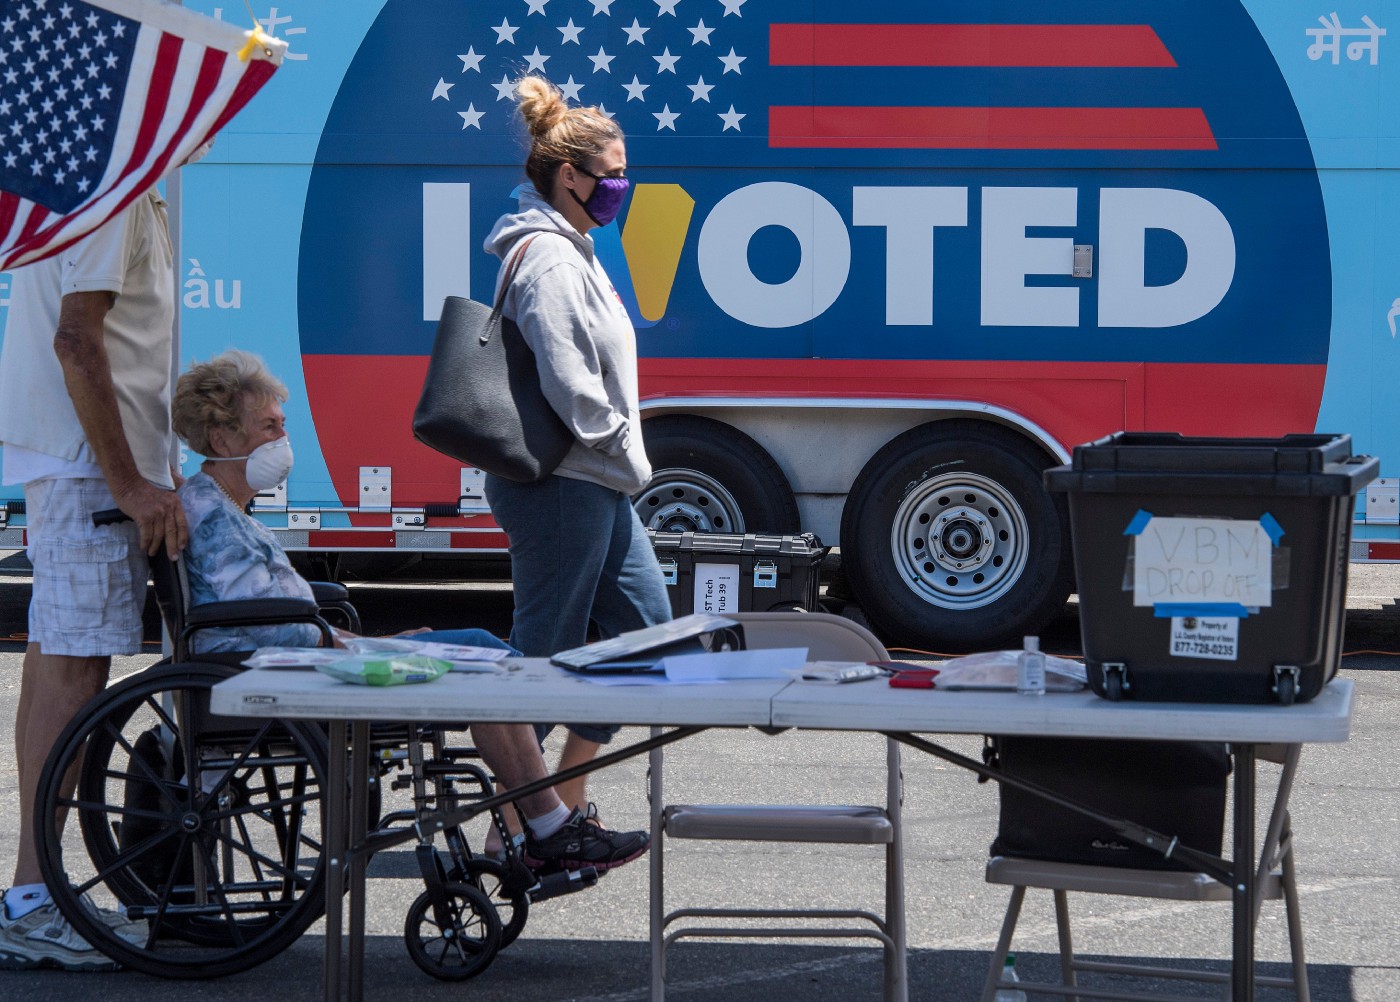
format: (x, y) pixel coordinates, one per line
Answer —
(85, 384)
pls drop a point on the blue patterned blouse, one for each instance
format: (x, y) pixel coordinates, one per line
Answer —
(233, 556)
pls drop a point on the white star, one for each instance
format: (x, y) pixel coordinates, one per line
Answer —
(570, 32)
(732, 7)
(605, 111)
(505, 90)
(666, 7)
(731, 62)
(636, 33)
(470, 60)
(83, 184)
(731, 119)
(536, 6)
(602, 7)
(635, 89)
(440, 91)
(666, 118)
(505, 33)
(570, 90)
(537, 60)
(666, 63)
(602, 61)
(701, 33)
(701, 90)
(471, 118)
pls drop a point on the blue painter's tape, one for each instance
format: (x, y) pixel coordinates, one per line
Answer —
(1138, 523)
(1272, 527)
(1201, 610)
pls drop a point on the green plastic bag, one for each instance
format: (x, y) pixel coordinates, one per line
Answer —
(380, 669)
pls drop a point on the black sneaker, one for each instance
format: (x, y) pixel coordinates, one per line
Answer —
(583, 842)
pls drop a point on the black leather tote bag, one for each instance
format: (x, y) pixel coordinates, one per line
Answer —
(481, 401)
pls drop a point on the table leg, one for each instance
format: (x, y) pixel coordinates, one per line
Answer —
(357, 860)
(336, 843)
(1242, 963)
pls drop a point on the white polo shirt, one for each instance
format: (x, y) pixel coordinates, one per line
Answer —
(130, 256)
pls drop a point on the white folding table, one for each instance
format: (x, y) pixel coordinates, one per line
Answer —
(534, 690)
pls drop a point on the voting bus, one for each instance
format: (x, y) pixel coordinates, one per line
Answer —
(886, 262)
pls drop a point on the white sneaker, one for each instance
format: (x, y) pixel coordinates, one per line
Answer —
(134, 932)
(43, 938)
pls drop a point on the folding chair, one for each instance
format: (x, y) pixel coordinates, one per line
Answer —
(826, 637)
(1276, 878)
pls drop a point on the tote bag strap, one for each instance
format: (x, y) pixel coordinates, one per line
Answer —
(511, 268)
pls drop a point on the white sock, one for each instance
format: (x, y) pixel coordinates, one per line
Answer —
(547, 824)
(22, 899)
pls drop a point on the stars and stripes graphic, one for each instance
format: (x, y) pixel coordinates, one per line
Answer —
(100, 100)
(705, 68)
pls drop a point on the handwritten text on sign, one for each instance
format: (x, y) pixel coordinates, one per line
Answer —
(1202, 560)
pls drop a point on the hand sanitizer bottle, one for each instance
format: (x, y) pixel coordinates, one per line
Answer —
(1008, 973)
(1030, 668)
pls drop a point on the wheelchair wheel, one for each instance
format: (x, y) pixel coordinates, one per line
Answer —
(512, 903)
(458, 945)
(205, 828)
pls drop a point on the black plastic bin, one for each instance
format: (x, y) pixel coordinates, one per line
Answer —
(1212, 569)
(732, 572)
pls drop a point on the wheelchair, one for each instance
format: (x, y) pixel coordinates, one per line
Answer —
(208, 828)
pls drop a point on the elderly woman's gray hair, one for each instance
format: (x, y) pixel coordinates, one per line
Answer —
(215, 394)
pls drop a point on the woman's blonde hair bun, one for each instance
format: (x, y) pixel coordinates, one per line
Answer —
(541, 104)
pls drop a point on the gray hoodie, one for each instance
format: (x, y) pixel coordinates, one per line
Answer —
(583, 341)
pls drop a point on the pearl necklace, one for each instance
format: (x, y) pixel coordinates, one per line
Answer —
(224, 490)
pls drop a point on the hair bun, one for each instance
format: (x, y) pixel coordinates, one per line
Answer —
(542, 104)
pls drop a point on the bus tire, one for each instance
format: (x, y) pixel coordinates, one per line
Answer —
(951, 542)
(710, 477)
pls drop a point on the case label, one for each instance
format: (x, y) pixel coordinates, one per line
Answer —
(1216, 638)
(716, 588)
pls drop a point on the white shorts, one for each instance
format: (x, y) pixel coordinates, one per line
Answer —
(89, 581)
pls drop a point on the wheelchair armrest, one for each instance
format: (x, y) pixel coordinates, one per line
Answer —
(256, 612)
(251, 612)
(329, 592)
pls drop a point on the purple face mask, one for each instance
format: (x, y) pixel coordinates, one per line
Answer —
(606, 201)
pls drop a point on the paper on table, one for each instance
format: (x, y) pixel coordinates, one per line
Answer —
(768, 663)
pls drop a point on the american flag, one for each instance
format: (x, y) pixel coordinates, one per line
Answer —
(717, 67)
(100, 100)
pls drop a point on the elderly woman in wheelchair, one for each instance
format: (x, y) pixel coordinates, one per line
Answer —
(202, 826)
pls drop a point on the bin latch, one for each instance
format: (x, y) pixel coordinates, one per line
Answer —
(669, 570)
(765, 574)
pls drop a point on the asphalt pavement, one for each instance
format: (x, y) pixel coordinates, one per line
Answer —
(593, 946)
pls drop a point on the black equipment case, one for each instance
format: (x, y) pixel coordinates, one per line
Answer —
(1210, 569)
(1175, 788)
(729, 572)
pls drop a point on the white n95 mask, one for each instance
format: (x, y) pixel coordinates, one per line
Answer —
(268, 465)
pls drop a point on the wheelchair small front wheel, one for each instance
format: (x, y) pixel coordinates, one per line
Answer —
(456, 945)
(512, 903)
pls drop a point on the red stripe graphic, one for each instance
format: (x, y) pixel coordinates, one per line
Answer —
(1084, 45)
(990, 128)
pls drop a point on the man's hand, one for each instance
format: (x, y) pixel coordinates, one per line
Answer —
(158, 514)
